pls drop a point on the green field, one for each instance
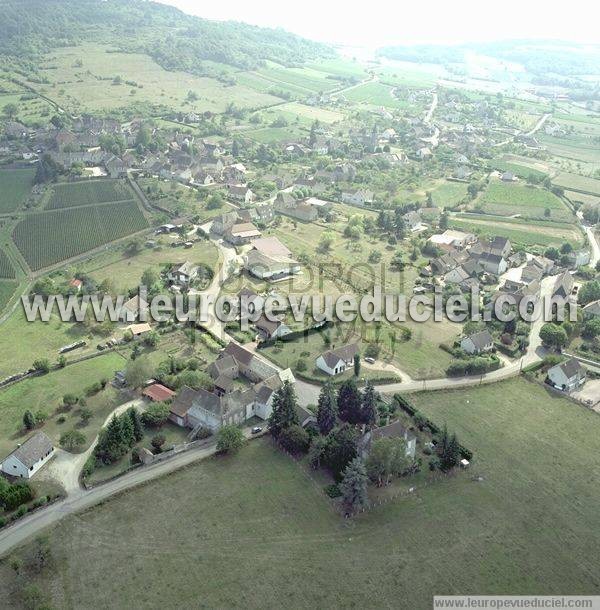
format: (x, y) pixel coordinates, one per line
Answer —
(376, 94)
(307, 79)
(50, 237)
(45, 393)
(530, 526)
(507, 199)
(522, 171)
(574, 182)
(7, 289)
(82, 78)
(72, 194)
(15, 185)
(520, 232)
(448, 194)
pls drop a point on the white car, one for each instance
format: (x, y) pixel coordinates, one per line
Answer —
(370, 360)
(256, 430)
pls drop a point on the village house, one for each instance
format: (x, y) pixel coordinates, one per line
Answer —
(567, 376)
(393, 430)
(268, 329)
(241, 193)
(450, 237)
(138, 330)
(336, 361)
(29, 457)
(182, 274)
(222, 223)
(592, 310)
(198, 409)
(358, 197)
(269, 259)
(130, 310)
(157, 392)
(240, 234)
(563, 286)
(492, 263)
(477, 343)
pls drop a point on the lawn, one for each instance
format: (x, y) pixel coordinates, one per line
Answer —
(47, 238)
(15, 185)
(448, 194)
(45, 393)
(531, 526)
(507, 199)
(22, 342)
(125, 272)
(520, 232)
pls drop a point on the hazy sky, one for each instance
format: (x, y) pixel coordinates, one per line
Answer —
(379, 22)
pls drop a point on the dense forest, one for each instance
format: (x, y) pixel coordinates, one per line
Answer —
(175, 40)
(539, 57)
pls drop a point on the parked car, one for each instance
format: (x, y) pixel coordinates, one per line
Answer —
(256, 429)
(370, 360)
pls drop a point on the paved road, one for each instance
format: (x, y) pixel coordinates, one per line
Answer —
(432, 107)
(589, 231)
(33, 524)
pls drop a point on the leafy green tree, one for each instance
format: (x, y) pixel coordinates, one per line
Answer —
(10, 110)
(354, 486)
(284, 409)
(71, 440)
(42, 365)
(230, 439)
(349, 402)
(589, 292)
(137, 372)
(294, 439)
(553, 335)
(155, 415)
(157, 442)
(327, 409)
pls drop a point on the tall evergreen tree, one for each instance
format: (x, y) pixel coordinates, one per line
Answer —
(369, 404)
(327, 409)
(284, 409)
(349, 402)
(354, 486)
(356, 365)
(134, 416)
(448, 450)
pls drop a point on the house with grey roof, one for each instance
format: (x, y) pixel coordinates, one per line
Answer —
(567, 376)
(29, 457)
(477, 343)
(336, 361)
(393, 430)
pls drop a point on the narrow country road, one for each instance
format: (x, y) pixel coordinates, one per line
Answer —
(31, 525)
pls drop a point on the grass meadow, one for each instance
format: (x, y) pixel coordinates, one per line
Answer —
(529, 526)
(15, 185)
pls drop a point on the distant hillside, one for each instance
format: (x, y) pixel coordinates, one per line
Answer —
(175, 40)
(539, 57)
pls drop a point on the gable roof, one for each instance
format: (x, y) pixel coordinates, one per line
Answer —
(183, 401)
(571, 368)
(33, 449)
(480, 339)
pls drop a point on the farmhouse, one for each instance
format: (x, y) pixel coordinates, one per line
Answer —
(563, 286)
(450, 237)
(182, 274)
(29, 457)
(158, 393)
(269, 259)
(271, 330)
(492, 263)
(567, 376)
(242, 233)
(131, 309)
(241, 193)
(477, 343)
(336, 361)
(357, 197)
(223, 222)
(394, 430)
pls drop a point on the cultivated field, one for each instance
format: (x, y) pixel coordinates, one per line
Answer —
(73, 194)
(50, 237)
(7, 271)
(375, 94)
(15, 185)
(520, 232)
(574, 182)
(530, 526)
(448, 193)
(507, 199)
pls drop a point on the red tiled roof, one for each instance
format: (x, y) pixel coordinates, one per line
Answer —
(158, 392)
